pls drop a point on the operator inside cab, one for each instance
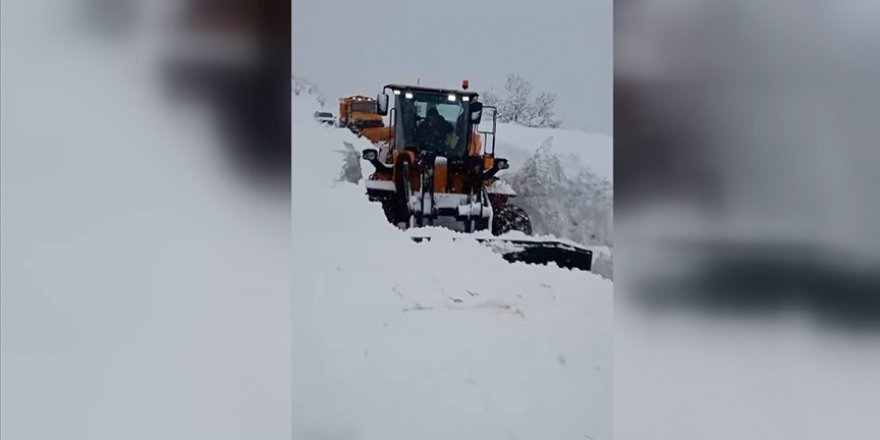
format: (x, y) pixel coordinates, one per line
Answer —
(437, 134)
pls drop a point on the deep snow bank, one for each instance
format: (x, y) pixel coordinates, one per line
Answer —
(399, 340)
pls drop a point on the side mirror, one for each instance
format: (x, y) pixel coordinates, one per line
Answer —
(501, 164)
(370, 154)
(382, 104)
(476, 112)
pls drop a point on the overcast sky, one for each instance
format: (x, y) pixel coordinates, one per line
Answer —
(561, 46)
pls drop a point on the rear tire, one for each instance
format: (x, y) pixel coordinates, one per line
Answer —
(510, 218)
(395, 212)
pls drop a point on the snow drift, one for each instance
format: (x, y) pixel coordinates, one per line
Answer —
(397, 340)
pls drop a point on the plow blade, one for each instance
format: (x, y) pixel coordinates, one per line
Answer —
(564, 255)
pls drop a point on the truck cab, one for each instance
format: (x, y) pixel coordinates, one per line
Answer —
(434, 120)
(358, 113)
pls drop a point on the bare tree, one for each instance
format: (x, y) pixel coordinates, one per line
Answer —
(542, 111)
(516, 104)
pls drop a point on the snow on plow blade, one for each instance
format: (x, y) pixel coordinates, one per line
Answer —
(564, 255)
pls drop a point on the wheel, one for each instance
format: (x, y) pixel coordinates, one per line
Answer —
(395, 212)
(510, 218)
(428, 182)
(401, 200)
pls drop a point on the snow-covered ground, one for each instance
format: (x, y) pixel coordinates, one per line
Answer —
(399, 340)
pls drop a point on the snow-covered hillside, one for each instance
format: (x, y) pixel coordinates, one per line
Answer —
(439, 340)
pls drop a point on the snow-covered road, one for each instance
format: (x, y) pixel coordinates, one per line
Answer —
(399, 340)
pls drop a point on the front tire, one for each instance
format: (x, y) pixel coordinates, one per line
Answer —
(402, 212)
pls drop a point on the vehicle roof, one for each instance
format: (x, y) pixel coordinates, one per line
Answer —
(357, 98)
(431, 90)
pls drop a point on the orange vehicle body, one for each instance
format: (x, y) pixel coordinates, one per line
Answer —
(359, 113)
(377, 135)
(443, 181)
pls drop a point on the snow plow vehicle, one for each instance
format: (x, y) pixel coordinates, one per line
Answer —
(437, 167)
(360, 115)
(358, 112)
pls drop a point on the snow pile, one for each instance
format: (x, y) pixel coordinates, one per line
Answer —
(397, 340)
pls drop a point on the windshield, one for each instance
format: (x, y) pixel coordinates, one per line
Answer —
(433, 122)
(363, 106)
